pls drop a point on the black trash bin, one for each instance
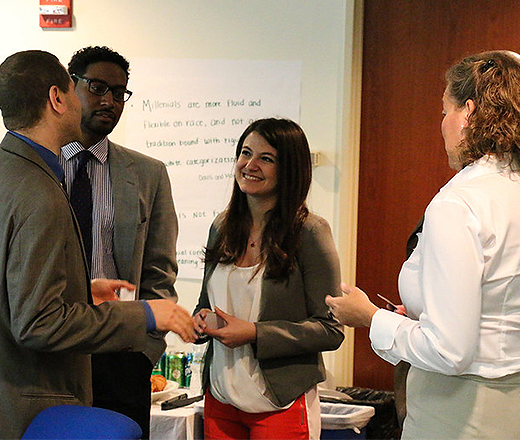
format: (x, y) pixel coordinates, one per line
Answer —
(384, 424)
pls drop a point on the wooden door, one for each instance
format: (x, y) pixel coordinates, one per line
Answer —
(407, 47)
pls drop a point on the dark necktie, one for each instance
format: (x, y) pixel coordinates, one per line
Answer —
(81, 200)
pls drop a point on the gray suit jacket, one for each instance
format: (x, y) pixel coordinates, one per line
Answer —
(145, 228)
(47, 329)
(294, 325)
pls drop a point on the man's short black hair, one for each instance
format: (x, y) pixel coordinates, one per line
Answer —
(94, 54)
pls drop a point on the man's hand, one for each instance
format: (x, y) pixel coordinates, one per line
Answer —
(353, 308)
(105, 290)
(169, 316)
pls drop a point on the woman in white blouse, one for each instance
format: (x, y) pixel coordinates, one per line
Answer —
(269, 264)
(461, 285)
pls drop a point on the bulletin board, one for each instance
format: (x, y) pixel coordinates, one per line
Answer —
(190, 114)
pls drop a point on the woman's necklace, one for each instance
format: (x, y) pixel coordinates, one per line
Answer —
(255, 242)
(256, 232)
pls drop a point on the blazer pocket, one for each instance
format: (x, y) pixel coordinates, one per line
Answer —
(142, 225)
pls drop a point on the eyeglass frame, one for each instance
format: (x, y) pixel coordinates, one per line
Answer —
(109, 89)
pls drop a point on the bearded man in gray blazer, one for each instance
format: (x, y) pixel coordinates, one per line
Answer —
(134, 225)
(48, 324)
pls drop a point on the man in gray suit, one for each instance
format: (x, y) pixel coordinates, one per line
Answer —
(47, 325)
(134, 226)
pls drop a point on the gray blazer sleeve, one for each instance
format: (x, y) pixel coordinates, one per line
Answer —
(159, 269)
(294, 318)
(145, 230)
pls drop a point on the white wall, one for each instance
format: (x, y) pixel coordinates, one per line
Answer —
(319, 33)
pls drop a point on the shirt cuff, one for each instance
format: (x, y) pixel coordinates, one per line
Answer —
(151, 325)
(383, 328)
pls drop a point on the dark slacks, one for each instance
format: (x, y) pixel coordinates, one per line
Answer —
(121, 382)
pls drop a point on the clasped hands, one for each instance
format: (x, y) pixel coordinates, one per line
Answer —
(235, 333)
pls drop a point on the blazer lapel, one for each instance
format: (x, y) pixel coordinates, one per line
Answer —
(126, 207)
(19, 147)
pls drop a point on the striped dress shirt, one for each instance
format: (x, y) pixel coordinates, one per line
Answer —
(98, 168)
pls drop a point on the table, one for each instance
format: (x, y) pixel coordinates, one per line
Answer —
(184, 423)
(187, 423)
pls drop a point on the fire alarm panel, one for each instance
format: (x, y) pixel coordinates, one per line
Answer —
(55, 13)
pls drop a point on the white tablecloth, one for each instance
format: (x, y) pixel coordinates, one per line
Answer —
(180, 424)
(187, 423)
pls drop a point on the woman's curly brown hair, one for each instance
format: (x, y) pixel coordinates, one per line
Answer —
(492, 81)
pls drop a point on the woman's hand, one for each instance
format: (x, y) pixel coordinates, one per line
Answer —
(105, 290)
(400, 310)
(353, 308)
(235, 333)
(200, 320)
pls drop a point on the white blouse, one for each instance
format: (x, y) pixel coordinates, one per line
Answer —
(235, 375)
(461, 285)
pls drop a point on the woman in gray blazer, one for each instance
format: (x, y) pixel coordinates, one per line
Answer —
(269, 264)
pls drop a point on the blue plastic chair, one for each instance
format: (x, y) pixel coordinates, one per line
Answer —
(81, 422)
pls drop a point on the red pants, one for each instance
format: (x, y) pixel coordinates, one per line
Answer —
(222, 421)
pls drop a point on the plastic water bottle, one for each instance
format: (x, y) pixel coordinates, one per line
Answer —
(196, 369)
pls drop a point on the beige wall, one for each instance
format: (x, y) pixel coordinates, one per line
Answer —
(323, 34)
